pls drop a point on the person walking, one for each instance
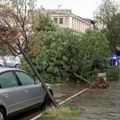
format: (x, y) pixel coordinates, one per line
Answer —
(117, 52)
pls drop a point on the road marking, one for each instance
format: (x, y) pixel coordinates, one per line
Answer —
(38, 116)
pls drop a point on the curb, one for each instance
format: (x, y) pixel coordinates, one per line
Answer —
(38, 116)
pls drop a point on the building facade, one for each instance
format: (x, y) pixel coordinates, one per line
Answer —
(66, 19)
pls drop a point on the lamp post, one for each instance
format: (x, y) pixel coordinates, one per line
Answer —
(59, 13)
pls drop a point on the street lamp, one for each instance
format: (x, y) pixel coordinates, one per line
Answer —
(59, 13)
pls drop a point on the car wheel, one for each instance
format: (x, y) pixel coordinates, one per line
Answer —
(16, 66)
(47, 101)
(1, 66)
(2, 115)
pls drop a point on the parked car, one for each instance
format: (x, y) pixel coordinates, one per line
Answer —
(19, 91)
(2, 61)
(11, 61)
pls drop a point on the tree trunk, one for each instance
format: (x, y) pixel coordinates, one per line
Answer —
(82, 78)
(40, 79)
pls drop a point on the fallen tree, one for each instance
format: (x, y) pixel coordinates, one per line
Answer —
(65, 56)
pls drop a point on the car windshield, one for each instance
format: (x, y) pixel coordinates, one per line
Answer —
(12, 58)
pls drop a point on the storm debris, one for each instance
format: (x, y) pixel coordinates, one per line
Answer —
(100, 83)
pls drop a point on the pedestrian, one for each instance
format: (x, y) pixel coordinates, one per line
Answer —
(117, 52)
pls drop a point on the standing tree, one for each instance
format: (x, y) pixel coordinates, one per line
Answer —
(16, 30)
(107, 17)
(113, 31)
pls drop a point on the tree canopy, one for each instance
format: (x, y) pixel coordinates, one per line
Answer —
(62, 55)
(17, 30)
(107, 17)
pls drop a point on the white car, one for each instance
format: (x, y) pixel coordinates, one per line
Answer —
(2, 61)
(12, 61)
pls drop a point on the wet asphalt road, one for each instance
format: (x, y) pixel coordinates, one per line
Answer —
(61, 92)
(98, 104)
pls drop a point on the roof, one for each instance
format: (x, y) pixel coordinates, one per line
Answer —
(89, 20)
(3, 69)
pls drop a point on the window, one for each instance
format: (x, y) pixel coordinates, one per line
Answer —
(25, 78)
(55, 19)
(66, 20)
(8, 79)
(61, 20)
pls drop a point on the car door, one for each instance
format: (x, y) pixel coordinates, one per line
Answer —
(33, 93)
(11, 93)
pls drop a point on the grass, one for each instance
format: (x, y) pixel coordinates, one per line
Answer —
(66, 110)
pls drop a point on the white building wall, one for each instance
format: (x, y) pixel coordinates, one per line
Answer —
(70, 20)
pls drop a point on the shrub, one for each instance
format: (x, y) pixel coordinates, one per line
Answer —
(66, 110)
(113, 74)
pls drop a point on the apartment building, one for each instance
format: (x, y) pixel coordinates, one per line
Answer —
(66, 19)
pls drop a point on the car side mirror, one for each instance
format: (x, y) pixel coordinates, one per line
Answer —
(36, 81)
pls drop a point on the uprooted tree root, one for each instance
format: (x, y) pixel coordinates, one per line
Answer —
(100, 84)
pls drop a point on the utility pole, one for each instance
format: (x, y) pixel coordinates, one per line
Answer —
(59, 14)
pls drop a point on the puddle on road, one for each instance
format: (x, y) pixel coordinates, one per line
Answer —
(63, 91)
(98, 103)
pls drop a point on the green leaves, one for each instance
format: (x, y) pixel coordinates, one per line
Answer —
(45, 24)
(108, 19)
(61, 53)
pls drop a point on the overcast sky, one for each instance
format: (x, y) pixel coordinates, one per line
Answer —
(83, 8)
